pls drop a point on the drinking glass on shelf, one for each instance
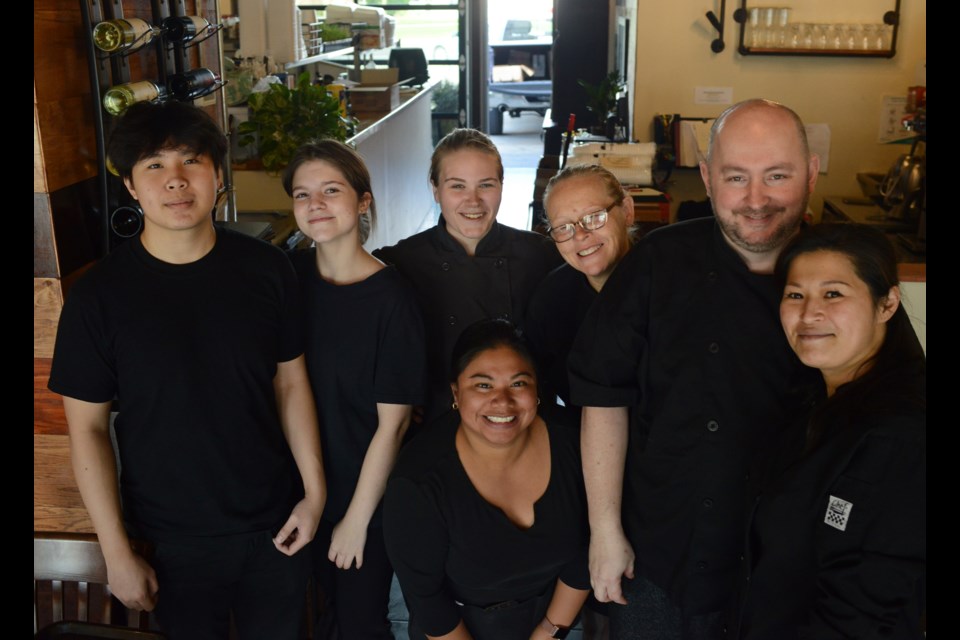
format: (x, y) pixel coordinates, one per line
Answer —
(797, 30)
(826, 36)
(769, 32)
(851, 36)
(867, 36)
(808, 41)
(756, 37)
(783, 20)
(886, 37)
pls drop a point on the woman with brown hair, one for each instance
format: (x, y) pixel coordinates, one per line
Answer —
(365, 356)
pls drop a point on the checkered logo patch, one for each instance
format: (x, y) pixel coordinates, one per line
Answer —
(838, 513)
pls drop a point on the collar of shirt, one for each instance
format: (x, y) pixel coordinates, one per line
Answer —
(490, 244)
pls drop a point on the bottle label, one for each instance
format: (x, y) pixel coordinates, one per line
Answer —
(117, 35)
(118, 99)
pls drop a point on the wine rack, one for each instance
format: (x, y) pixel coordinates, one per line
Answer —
(158, 50)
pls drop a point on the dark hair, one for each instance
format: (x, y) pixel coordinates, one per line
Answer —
(460, 139)
(347, 161)
(148, 127)
(483, 335)
(896, 376)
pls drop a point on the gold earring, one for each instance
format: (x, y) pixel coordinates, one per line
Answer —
(454, 405)
(538, 402)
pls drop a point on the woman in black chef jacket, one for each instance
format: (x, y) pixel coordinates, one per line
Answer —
(589, 217)
(468, 266)
(837, 539)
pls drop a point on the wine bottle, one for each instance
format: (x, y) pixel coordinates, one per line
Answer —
(183, 28)
(126, 34)
(119, 98)
(192, 84)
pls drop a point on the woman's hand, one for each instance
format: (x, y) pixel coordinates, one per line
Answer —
(347, 542)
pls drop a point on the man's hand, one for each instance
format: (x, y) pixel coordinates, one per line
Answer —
(611, 557)
(299, 528)
(134, 583)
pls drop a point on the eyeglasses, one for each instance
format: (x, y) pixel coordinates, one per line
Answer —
(589, 222)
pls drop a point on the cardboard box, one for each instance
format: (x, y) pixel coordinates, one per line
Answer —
(378, 91)
(511, 73)
(389, 75)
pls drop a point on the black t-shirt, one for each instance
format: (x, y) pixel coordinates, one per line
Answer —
(689, 339)
(447, 544)
(554, 316)
(455, 290)
(364, 345)
(190, 353)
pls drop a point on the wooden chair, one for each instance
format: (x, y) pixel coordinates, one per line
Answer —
(70, 594)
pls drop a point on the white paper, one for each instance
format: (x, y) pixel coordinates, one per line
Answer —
(694, 141)
(891, 113)
(818, 137)
(713, 95)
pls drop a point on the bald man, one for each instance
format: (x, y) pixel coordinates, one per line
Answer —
(684, 374)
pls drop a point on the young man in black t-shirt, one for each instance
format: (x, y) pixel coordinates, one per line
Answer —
(194, 331)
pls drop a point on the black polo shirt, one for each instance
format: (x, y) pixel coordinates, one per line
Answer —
(688, 338)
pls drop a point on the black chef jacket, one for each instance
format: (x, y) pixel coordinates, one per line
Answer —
(455, 289)
(688, 338)
(556, 311)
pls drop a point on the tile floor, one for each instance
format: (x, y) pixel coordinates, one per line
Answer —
(520, 148)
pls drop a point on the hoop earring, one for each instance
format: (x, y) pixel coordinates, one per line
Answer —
(538, 402)
(454, 405)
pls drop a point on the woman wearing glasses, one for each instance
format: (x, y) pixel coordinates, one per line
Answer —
(589, 218)
(468, 266)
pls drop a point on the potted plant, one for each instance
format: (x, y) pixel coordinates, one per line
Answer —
(602, 97)
(281, 119)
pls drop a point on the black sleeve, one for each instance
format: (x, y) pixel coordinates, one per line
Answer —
(417, 541)
(400, 377)
(612, 340)
(83, 366)
(866, 580)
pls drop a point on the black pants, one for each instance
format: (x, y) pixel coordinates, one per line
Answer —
(352, 603)
(203, 582)
(650, 615)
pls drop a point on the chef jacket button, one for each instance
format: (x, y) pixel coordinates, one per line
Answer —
(498, 262)
(712, 276)
(713, 425)
(714, 347)
(445, 266)
(452, 320)
(708, 502)
(702, 565)
(741, 558)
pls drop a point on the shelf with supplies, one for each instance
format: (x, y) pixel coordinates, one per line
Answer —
(789, 31)
(320, 57)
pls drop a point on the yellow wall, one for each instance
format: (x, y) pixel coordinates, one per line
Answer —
(674, 57)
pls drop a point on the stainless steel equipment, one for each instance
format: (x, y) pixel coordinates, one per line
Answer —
(902, 189)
